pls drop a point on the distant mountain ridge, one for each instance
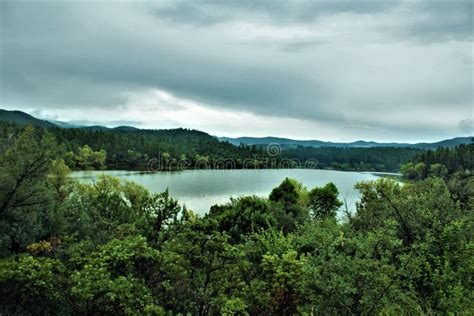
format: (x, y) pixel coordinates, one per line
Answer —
(287, 142)
(20, 117)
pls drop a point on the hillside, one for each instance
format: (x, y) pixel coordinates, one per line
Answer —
(19, 117)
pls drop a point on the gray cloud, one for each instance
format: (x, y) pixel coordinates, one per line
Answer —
(424, 20)
(344, 63)
(441, 20)
(203, 13)
(467, 126)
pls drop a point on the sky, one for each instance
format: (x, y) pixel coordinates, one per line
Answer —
(334, 70)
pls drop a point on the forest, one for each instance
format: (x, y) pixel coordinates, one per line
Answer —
(178, 149)
(441, 162)
(112, 247)
(386, 159)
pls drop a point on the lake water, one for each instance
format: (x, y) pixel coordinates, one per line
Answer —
(200, 189)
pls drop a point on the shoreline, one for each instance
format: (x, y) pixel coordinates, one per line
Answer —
(389, 173)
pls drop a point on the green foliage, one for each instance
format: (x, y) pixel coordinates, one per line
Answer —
(289, 201)
(133, 149)
(87, 159)
(461, 187)
(111, 280)
(408, 171)
(110, 208)
(25, 193)
(422, 215)
(112, 247)
(286, 193)
(31, 285)
(442, 162)
(200, 270)
(324, 202)
(234, 306)
(58, 178)
(438, 170)
(285, 275)
(243, 216)
(364, 159)
(350, 273)
(413, 171)
(455, 165)
(264, 259)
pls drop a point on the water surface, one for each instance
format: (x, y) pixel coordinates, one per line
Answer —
(200, 189)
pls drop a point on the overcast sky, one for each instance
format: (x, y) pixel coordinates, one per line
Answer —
(335, 70)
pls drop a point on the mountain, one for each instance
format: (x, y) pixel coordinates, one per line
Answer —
(446, 143)
(287, 142)
(308, 143)
(22, 118)
(125, 128)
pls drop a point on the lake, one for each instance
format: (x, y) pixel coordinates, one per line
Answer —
(200, 189)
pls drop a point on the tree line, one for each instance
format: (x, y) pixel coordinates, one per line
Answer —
(441, 162)
(112, 247)
(359, 159)
(135, 149)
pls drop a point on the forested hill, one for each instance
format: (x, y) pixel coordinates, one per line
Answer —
(177, 149)
(19, 117)
(133, 149)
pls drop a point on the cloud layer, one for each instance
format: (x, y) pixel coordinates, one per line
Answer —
(335, 70)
